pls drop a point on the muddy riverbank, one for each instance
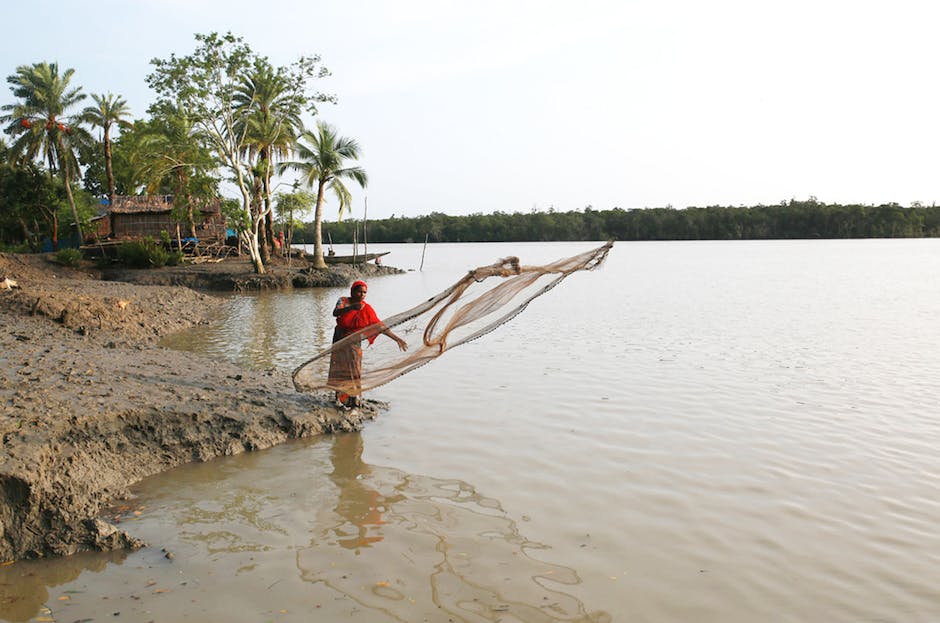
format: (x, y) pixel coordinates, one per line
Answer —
(89, 404)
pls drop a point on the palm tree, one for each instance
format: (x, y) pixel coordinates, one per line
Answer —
(40, 125)
(270, 124)
(269, 138)
(109, 110)
(323, 156)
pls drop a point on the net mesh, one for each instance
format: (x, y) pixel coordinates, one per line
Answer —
(481, 301)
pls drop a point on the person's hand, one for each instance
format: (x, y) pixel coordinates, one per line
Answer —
(402, 344)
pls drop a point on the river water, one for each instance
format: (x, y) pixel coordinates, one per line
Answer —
(699, 431)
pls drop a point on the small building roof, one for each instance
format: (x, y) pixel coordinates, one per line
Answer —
(155, 204)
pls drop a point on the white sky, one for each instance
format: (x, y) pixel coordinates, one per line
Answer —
(512, 105)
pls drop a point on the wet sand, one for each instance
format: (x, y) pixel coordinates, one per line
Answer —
(90, 404)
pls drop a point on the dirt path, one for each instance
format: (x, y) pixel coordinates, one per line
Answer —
(89, 404)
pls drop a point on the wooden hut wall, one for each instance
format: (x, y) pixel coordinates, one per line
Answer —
(101, 226)
(212, 228)
(138, 225)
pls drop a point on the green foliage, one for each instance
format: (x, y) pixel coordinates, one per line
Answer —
(323, 163)
(110, 111)
(68, 257)
(41, 125)
(293, 205)
(219, 86)
(94, 179)
(135, 157)
(146, 253)
(181, 161)
(15, 248)
(788, 220)
(234, 215)
(31, 203)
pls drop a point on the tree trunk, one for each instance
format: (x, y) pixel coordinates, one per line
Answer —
(64, 169)
(254, 251)
(263, 249)
(68, 193)
(318, 261)
(257, 218)
(187, 197)
(109, 171)
(269, 228)
(290, 235)
(55, 231)
(24, 227)
(268, 212)
(251, 236)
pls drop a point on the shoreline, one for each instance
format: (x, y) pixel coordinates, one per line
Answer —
(91, 404)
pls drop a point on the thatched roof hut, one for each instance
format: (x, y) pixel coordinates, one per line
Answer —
(150, 215)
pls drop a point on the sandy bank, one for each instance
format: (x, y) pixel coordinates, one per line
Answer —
(89, 404)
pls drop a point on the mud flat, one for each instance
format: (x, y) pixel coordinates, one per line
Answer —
(90, 404)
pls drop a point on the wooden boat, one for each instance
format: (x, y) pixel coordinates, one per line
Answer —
(362, 258)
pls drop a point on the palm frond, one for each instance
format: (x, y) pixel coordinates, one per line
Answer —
(343, 196)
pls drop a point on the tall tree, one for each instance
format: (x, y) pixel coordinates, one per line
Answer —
(205, 84)
(41, 125)
(271, 112)
(109, 111)
(29, 203)
(133, 156)
(322, 164)
(180, 161)
(291, 207)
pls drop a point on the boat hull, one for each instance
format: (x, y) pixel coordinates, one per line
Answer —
(362, 258)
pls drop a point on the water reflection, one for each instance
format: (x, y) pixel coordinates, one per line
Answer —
(265, 329)
(24, 586)
(358, 504)
(302, 527)
(410, 546)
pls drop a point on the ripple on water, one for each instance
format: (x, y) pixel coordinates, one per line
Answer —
(726, 432)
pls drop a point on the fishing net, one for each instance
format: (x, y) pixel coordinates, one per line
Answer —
(484, 299)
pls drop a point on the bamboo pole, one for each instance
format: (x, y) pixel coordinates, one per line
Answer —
(355, 241)
(365, 222)
(423, 250)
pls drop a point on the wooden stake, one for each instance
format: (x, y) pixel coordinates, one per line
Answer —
(423, 250)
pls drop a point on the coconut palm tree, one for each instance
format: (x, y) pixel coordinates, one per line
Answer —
(269, 138)
(323, 156)
(41, 126)
(109, 111)
(270, 122)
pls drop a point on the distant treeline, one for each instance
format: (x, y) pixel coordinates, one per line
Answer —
(793, 219)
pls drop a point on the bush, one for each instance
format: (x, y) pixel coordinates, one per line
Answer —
(174, 258)
(145, 253)
(22, 247)
(68, 257)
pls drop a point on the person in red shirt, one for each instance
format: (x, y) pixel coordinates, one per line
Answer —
(353, 314)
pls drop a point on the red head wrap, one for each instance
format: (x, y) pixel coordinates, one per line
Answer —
(356, 284)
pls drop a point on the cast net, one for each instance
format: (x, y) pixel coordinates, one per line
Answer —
(481, 301)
